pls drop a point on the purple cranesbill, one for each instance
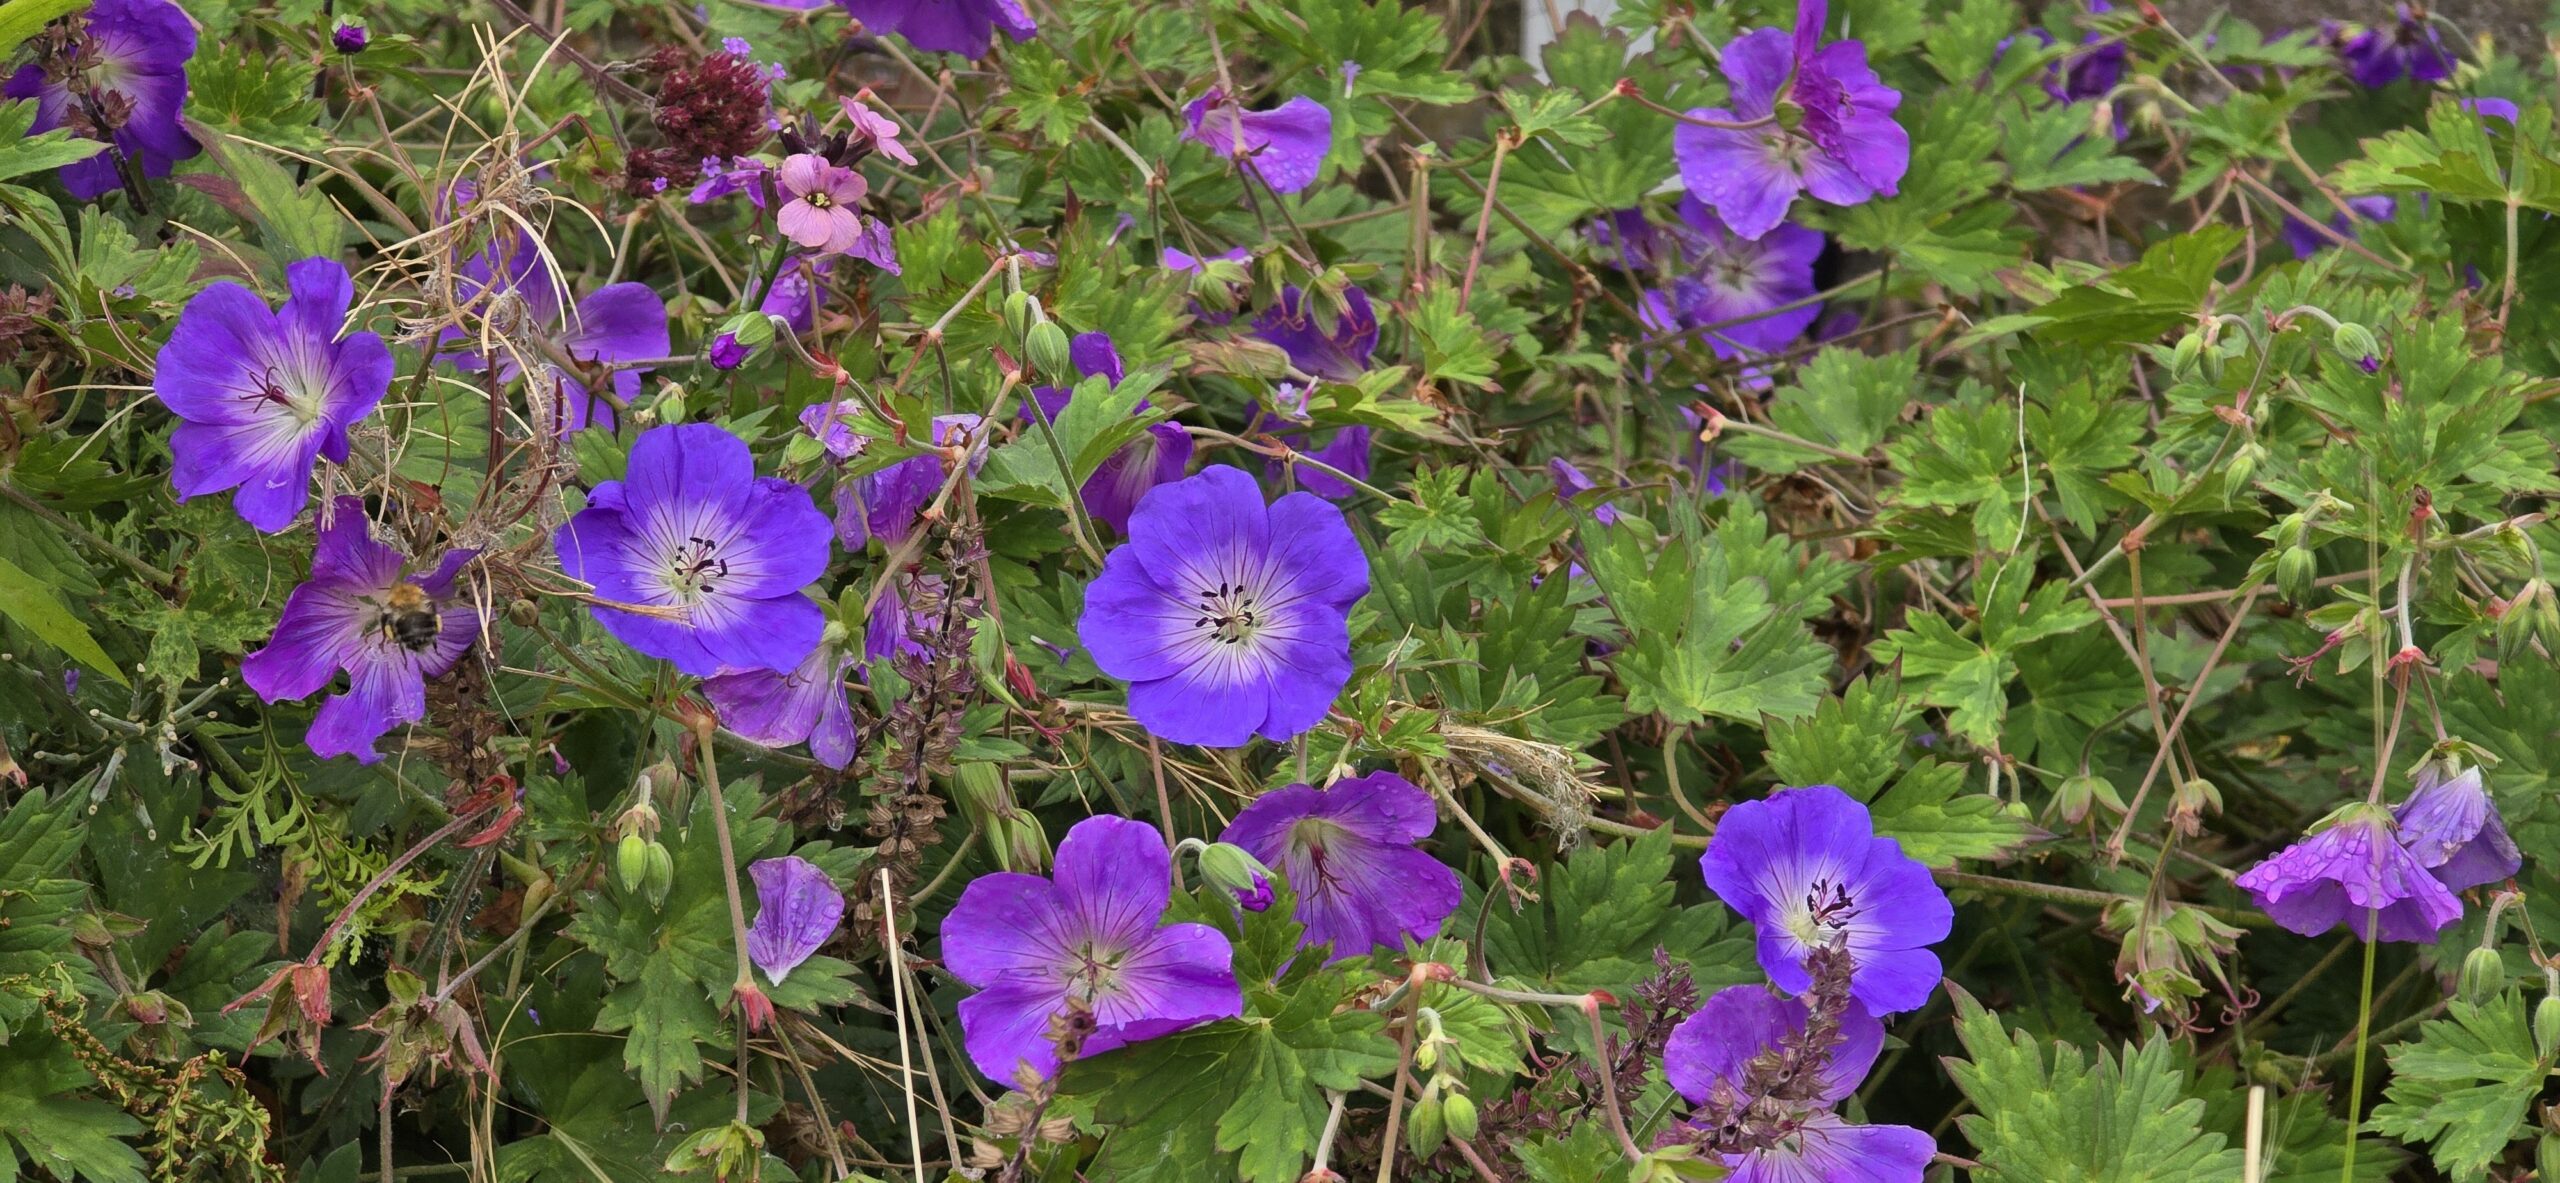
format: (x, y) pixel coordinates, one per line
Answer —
(1572, 483)
(2088, 72)
(1341, 354)
(710, 557)
(1744, 286)
(2352, 869)
(1227, 617)
(797, 909)
(1175, 259)
(2307, 241)
(1158, 455)
(1285, 145)
(2408, 47)
(964, 27)
(1723, 1058)
(2452, 828)
(1807, 868)
(907, 616)
(262, 395)
(1346, 451)
(119, 75)
(1349, 854)
(366, 613)
(873, 131)
(1822, 124)
(793, 297)
(617, 323)
(1081, 963)
(807, 704)
(890, 503)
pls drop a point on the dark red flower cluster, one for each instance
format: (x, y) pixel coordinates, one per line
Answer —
(708, 107)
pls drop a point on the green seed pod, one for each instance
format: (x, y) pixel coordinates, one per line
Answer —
(1460, 1112)
(1047, 344)
(1429, 1126)
(980, 787)
(2295, 571)
(1026, 844)
(660, 878)
(2484, 973)
(2546, 1024)
(631, 862)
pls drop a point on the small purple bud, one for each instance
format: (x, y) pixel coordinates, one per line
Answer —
(2369, 364)
(350, 38)
(1258, 898)
(71, 683)
(736, 46)
(727, 353)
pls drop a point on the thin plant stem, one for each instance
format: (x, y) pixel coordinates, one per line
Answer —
(2364, 1024)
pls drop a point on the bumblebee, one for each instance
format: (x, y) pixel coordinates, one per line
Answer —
(409, 618)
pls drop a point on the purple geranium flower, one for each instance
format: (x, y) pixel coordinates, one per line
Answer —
(364, 612)
(1341, 355)
(1845, 149)
(132, 56)
(349, 37)
(2307, 242)
(902, 621)
(716, 555)
(1709, 1059)
(793, 297)
(2452, 828)
(1285, 146)
(1158, 455)
(615, 323)
(888, 504)
(263, 394)
(1226, 616)
(1083, 955)
(1732, 278)
(1174, 259)
(2348, 869)
(1347, 451)
(873, 131)
(2409, 47)
(797, 908)
(1572, 483)
(1806, 867)
(1349, 854)
(2492, 108)
(780, 709)
(964, 27)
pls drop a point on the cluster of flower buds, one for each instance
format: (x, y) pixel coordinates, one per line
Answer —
(1443, 1110)
(641, 862)
(1044, 342)
(1018, 839)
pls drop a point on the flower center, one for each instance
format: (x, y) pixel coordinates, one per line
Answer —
(696, 568)
(270, 392)
(1828, 909)
(1228, 615)
(1093, 971)
(818, 200)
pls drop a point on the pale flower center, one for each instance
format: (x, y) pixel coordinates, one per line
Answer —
(1228, 614)
(696, 569)
(1824, 918)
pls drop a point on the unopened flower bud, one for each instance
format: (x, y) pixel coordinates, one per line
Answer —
(523, 612)
(2484, 973)
(2183, 357)
(660, 877)
(1047, 344)
(2546, 1024)
(1788, 114)
(1430, 1125)
(1021, 311)
(349, 37)
(1026, 844)
(2546, 1156)
(631, 862)
(2355, 343)
(1460, 1112)
(2081, 792)
(980, 787)
(2296, 569)
(1229, 867)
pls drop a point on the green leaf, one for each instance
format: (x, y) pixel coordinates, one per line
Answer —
(1704, 638)
(1239, 1099)
(2464, 1083)
(1599, 917)
(1843, 398)
(1853, 741)
(1938, 225)
(19, 20)
(2119, 1119)
(2059, 147)
(21, 153)
(1043, 96)
(65, 1137)
(26, 600)
(2165, 289)
(1098, 420)
(1440, 516)
(1454, 348)
(1938, 823)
